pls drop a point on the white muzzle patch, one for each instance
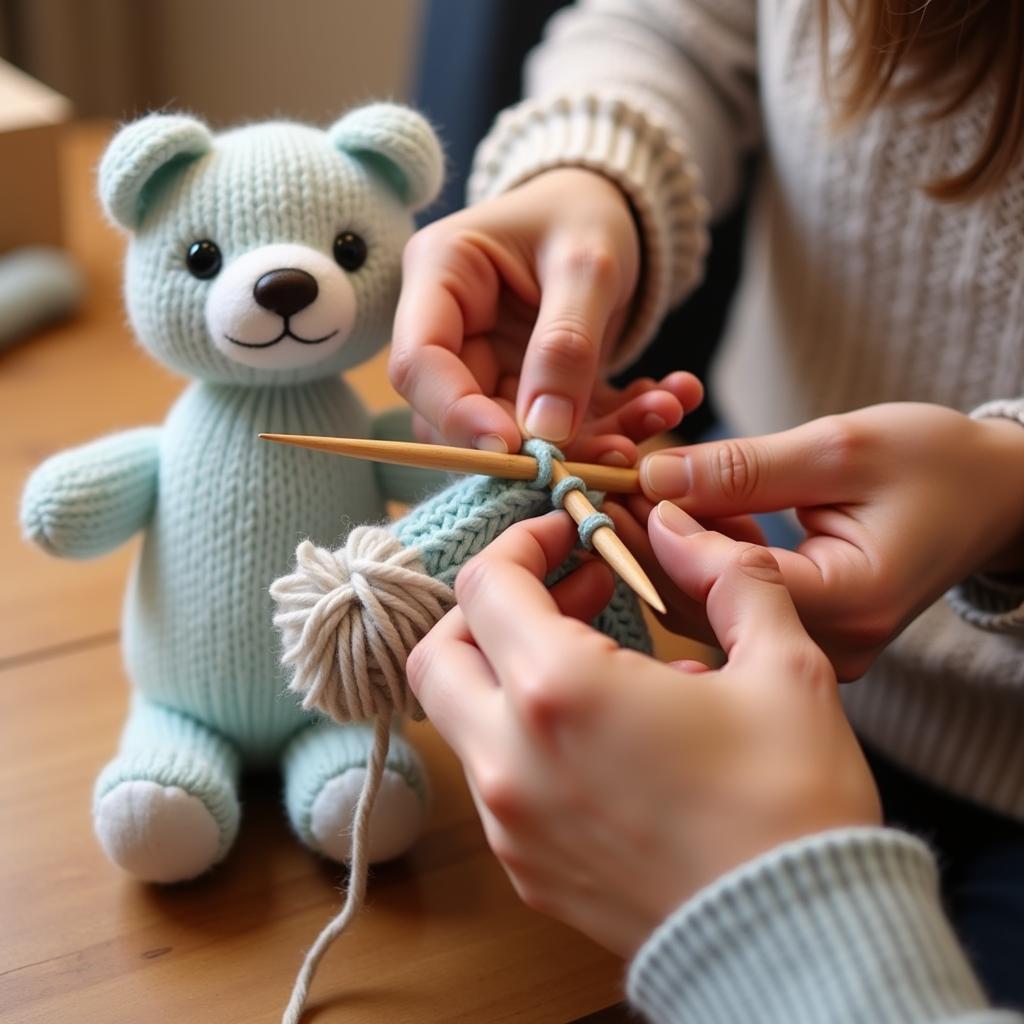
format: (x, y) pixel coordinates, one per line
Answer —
(261, 315)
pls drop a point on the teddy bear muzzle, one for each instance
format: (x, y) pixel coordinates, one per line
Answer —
(280, 306)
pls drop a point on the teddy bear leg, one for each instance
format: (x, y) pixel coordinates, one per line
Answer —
(324, 770)
(166, 808)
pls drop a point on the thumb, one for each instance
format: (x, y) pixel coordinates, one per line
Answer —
(579, 296)
(748, 606)
(796, 468)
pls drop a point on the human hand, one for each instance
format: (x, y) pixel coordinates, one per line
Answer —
(899, 503)
(610, 786)
(509, 312)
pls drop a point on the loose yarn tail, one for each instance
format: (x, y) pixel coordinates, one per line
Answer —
(349, 619)
(357, 873)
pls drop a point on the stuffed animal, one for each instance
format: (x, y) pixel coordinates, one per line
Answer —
(261, 262)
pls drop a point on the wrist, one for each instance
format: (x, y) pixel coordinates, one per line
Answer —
(1005, 442)
(651, 166)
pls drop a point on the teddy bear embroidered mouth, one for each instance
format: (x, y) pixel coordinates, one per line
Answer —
(286, 333)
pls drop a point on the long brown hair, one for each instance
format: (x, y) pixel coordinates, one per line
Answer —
(946, 49)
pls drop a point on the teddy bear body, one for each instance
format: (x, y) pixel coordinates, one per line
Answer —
(261, 263)
(197, 639)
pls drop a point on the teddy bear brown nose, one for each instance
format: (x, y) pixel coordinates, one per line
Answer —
(285, 291)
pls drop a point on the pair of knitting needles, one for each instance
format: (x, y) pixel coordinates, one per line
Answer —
(509, 467)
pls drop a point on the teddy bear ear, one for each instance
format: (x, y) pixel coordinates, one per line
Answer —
(398, 145)
(139, 156)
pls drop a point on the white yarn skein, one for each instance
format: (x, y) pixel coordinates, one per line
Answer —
(349, 619)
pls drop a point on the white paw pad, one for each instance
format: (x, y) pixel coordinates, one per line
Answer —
(156, 833)
(395, 822)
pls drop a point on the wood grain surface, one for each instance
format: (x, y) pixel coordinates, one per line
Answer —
(442, 936)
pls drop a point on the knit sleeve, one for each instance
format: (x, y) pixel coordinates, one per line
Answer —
(844, 926)
(661, 97)
(993, 603)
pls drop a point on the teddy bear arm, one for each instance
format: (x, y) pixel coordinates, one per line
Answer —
(87, 500)
(406, 484)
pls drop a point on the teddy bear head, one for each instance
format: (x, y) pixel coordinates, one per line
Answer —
(269, 254)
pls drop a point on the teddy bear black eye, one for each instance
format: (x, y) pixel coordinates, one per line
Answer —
(203, 259)
(349, 251)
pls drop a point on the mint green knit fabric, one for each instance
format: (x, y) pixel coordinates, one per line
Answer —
(159, 744)
(320, 753)
(87, 501)
(197, 633)
(221, 511)
(453, 525)
(844, 927)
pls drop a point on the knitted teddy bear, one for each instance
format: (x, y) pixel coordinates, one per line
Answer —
(261, 262)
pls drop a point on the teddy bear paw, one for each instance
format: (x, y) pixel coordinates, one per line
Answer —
(395, 822)
(157, 833)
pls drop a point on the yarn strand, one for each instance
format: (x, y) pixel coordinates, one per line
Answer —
(357, 873)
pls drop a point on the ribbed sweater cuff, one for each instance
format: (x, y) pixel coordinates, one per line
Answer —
(842, 926)
(650, 166)
(993, 603)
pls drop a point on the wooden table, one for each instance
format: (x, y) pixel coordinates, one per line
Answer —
(442, 937)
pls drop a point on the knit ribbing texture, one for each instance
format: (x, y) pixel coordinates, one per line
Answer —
(845, 927)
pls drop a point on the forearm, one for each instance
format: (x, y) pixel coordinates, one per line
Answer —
(87, 500)
(993, 598)
(842, 926)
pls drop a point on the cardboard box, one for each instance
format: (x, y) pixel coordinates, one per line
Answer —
(32, 117)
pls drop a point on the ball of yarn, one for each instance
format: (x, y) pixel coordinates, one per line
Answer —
(349, 618)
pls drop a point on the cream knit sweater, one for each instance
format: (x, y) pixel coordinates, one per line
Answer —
(857, 289)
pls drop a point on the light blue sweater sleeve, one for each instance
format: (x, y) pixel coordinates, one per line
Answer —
(842, 927)
(88, 500)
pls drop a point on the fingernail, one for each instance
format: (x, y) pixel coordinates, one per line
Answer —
(676, 520)
(613, 458)
(490, 443)
(667, 476)
(653, 423)
(550, 418)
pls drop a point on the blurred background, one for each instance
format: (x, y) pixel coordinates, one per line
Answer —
(240, 60)
(460, 61)
(228, 59)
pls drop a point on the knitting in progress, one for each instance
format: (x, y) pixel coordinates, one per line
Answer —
(349, 619)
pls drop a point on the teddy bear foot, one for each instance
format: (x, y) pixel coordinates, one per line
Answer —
(156, 833)
(395, 822)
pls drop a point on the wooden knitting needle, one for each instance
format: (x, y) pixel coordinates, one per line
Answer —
(607, 541)
(509, 467)
(613, 479)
